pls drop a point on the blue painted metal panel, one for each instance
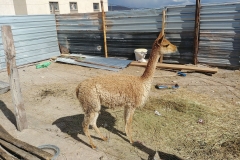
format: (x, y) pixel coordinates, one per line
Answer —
(35, 38)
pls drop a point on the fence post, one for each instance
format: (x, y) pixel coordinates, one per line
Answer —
(196, 31)
(13, 75)
(104, 30)
(163, 29)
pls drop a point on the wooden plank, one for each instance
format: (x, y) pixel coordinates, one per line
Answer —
(25, 155)
(178, 67)
(196, 32)
(10, 53)
(5, 156)
(4, 87)
(163, 20)
(163, 29)
(5, 136)
(104, 30)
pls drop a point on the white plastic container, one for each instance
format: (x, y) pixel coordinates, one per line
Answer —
(140, 54)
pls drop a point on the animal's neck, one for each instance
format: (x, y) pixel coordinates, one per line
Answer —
(151, 65)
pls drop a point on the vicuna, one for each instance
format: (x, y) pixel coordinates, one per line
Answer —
(114, 91)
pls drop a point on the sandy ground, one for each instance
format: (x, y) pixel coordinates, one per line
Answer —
(54, 116)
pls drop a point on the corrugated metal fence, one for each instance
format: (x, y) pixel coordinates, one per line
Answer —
(179, 30)
(80, 33)
(35, 38)
(128, 30)
(220, 34)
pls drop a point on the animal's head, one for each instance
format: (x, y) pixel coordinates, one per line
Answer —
(164, 46)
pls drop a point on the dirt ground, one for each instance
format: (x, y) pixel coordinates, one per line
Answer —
(199, 120)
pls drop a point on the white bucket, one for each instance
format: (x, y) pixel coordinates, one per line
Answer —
(140, 54)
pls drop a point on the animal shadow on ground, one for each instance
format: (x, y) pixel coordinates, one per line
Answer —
(151, 153)
(72, 125)
(7, 112)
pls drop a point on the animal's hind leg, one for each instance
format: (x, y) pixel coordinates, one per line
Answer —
(85, 124)
(94, 125)
(128, 117)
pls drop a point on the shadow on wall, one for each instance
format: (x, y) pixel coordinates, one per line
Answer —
(7, 112)
(72, 125)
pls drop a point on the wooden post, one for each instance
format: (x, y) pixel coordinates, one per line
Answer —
(104, 30)
(9, 50)
(163, 29)
(196, 31)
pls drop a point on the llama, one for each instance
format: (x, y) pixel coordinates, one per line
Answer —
(115, 91)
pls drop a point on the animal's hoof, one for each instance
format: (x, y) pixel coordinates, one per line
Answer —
(131, 141)
(94, 147)
(105, 138)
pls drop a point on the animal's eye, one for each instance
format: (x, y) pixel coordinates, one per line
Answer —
(166, 45)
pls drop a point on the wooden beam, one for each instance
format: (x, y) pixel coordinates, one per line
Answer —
(196, 32)
(5, 156)
(104, 30)
(163, 29)
(178, 67)
(13, 149)
(13, 75)
(12, 142)
(163, 20)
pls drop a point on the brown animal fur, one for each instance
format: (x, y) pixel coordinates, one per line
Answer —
(114, 91)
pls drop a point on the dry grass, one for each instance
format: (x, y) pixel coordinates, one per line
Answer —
(187, 129)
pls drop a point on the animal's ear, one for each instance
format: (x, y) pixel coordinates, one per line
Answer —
(161, 34)
(160, 38)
